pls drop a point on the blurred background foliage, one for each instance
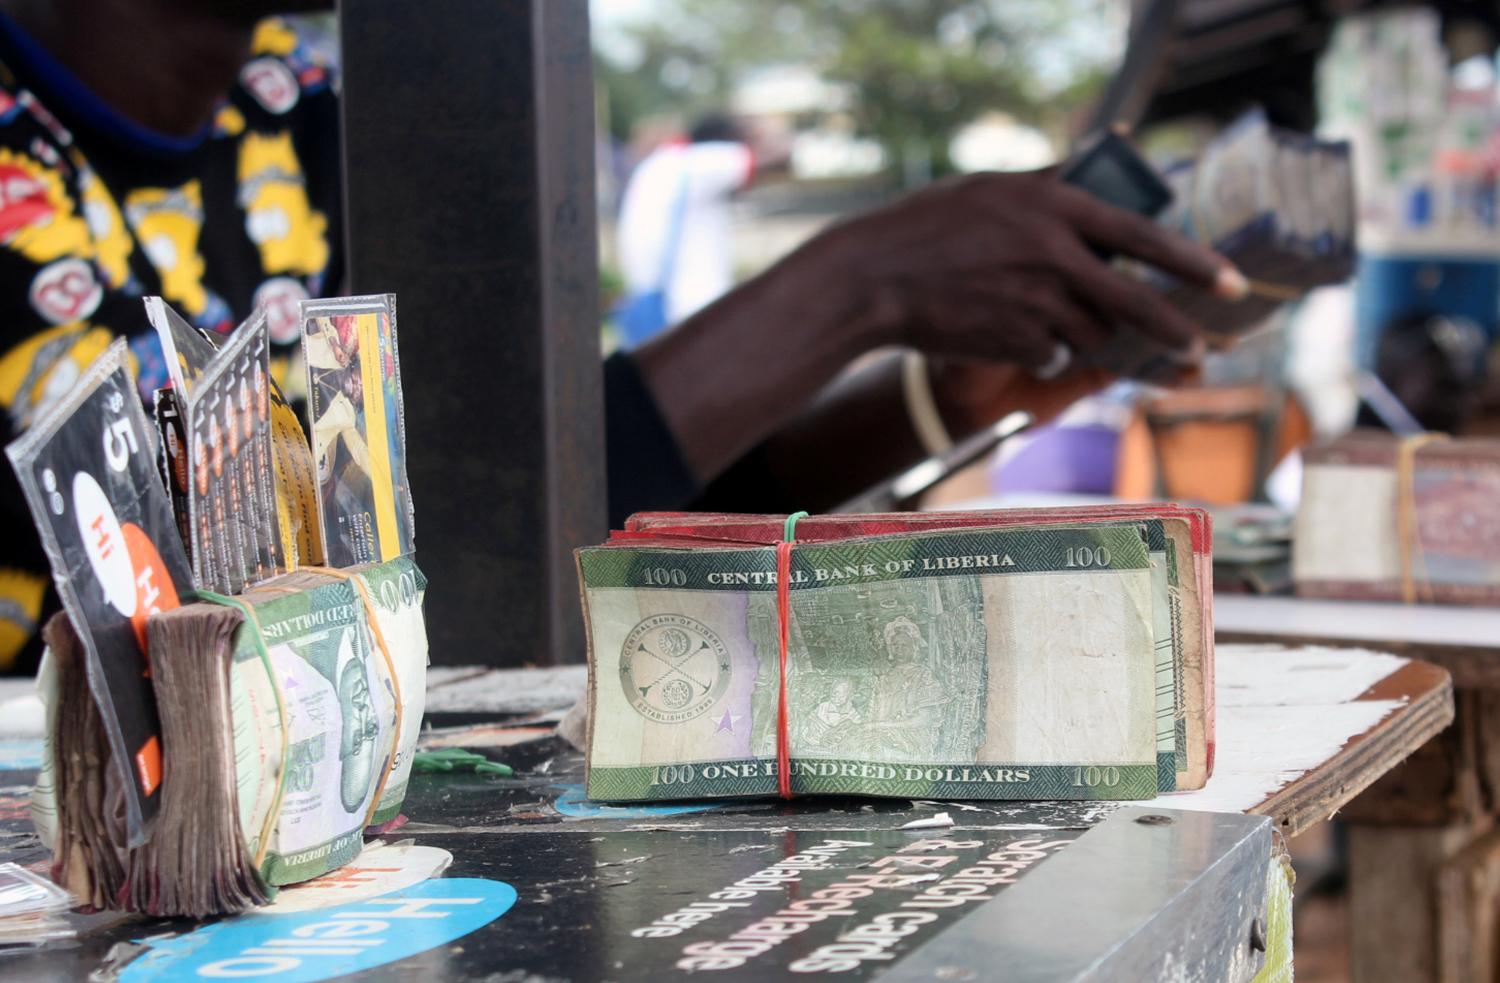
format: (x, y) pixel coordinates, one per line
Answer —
(908, 74)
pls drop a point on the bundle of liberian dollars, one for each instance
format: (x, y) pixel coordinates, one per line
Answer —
(216, 729)
(289, 718)
(1279, 204)
(1389, 518)
(1018, 654)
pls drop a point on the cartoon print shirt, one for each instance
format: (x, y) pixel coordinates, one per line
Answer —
(97, 212)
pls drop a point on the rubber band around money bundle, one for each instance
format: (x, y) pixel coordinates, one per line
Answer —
(783, 622)
(1408, 533)
(245, 608)
(1274, 291)
(363, 591)
(259, 640)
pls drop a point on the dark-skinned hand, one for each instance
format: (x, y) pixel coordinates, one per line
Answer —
(1003, 267)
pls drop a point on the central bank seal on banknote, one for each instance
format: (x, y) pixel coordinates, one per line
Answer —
(673, 668)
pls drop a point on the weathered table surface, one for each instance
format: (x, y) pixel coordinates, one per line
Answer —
(1303, 730)
(1188, 889)
(1300, 730)
(1424, 853)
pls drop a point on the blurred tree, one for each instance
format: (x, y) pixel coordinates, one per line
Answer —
(916, 70)
(660, 76)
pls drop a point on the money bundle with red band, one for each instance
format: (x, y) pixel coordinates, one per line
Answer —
(1028, 654)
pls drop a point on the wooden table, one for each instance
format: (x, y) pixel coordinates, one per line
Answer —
(1424, 849)
(1177, 885)
(1303, 730)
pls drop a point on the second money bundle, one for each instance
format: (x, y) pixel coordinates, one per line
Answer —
(1018, 654)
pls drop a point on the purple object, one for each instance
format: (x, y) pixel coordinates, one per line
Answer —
(1061, 459)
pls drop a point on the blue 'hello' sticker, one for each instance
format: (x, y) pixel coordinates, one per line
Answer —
(328, 942)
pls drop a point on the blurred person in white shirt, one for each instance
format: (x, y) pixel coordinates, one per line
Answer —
(675, 244)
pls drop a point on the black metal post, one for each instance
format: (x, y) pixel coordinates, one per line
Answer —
(469, 176)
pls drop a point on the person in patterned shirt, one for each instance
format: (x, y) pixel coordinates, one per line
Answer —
(187, 148)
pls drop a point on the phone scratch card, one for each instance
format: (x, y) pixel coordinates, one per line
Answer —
(358, 428)
(89, 471)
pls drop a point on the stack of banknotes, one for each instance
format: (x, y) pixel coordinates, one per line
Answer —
(1252, 549)
(1391, 518)
(220, 727)
(289, 717)
(1279, 204)
(1017, 654)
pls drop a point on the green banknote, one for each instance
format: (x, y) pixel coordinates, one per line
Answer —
(1006, 663)
(1171, 732)
(290, 717)
(327, 705)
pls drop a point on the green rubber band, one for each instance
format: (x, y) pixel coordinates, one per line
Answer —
(448, 759)
(789, 531)
(452, 754)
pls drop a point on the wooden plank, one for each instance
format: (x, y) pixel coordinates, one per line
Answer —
(1302, 731)
(1465, 641)
(475, 204)
(1452, 779)
(1393, 935)
(1486, 730)
(1422, 889)
(1467, 890)
(1427, 693)
(1437, 786)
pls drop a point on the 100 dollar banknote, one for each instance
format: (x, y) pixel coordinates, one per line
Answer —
(1001, 663)
(290, 717)
(328, 687)
(1179, 542)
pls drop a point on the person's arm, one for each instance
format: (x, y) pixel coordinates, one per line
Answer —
(749, 362)
(857, 431)
(991, 267)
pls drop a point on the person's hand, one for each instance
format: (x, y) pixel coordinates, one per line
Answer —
(1000, 267)
(993, 268)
